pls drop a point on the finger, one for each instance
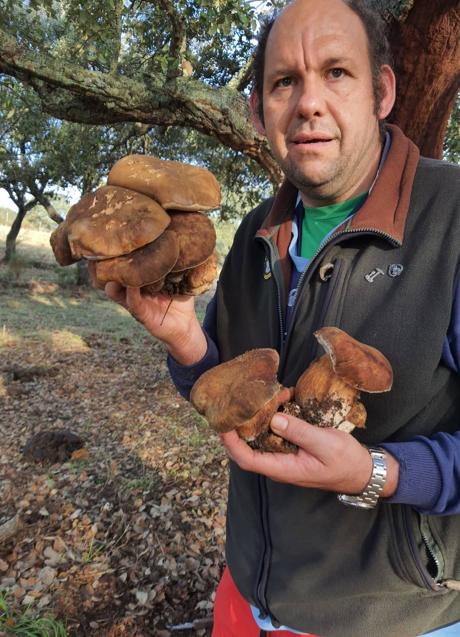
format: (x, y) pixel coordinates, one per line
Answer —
(281, 467)
(308, 437)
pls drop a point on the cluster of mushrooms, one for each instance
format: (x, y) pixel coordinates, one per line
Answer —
(244, 393)
(145, 228)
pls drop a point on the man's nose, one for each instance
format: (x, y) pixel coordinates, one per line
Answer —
(311, 99)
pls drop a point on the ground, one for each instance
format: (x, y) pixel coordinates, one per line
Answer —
(127, 537)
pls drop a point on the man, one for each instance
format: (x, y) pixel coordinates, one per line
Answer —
(383, 225)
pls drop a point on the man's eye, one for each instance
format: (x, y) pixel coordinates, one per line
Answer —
(283, 82)
(336, 73)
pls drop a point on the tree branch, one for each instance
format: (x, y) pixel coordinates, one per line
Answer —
(71, 93)
(178, 43)
(30, 204)
(53, 214)
(242, 79)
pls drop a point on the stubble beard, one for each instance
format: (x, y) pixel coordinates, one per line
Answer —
(321, 186)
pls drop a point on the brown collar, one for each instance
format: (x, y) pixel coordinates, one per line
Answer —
(385, 210)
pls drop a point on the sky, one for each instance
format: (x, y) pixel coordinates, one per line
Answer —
(5, 201)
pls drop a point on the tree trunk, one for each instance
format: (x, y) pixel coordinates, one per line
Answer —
(11, 237)
(83, 273)
(426, 50)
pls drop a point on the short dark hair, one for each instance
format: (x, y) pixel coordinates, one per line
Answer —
(377, 43)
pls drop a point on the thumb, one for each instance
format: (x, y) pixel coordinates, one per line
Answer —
(300, 432)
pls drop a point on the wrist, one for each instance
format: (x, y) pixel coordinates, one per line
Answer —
(392, 480)
(188, 348)
(379, 485)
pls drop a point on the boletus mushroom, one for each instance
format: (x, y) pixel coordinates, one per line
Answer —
(123, 228)
(328, 391)
(244, 393)
(174, 185)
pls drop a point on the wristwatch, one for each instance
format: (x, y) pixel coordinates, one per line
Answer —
(372, 491)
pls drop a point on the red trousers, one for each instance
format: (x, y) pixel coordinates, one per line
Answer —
(233, 616)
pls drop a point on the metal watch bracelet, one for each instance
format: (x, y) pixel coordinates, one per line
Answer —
(368, 498)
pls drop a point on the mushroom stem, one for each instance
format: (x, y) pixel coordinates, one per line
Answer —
(324, 398)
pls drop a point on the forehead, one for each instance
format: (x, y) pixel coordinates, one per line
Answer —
(309, 31)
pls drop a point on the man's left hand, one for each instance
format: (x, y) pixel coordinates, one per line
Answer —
(327, 458)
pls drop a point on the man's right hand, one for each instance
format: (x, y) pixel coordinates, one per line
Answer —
(172, 321)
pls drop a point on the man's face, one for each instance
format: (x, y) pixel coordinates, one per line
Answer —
(319, 111)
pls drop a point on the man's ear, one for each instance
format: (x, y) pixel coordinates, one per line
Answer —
(256, 121)
(388, 84)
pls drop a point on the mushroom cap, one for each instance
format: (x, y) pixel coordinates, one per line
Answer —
(174, 185)
(60, 245)
(141, 267)
(197, 238)
(360, 366)
(113, 221)
(232, 394)
(200, 278)
(194, 281)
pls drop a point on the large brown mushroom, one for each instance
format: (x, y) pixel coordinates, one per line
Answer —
(174, 185)
(60, 245)
(328, 391)
(113, 221)
(143, 267)
(196, 236)
(129, 238)
(242, 394)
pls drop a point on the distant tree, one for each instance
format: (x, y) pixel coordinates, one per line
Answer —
(184, 63)
(24, 135)
(39, 154)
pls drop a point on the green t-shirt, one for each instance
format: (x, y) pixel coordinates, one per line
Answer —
(318, 222)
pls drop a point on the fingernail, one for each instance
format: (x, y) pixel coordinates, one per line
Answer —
(279, 423)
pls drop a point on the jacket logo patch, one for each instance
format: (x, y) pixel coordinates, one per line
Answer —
(395, 269)
(267, 272)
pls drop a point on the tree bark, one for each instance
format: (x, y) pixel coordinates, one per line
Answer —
(426, 49)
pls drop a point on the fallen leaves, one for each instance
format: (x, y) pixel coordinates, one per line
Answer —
(127, 537)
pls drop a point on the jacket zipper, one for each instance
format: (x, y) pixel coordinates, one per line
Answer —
(262, 576)
(432, 583)
(433, 549)
(261, 584)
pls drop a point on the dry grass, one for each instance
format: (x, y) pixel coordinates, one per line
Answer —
(31, 245)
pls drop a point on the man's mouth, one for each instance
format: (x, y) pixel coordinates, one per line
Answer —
(311, 138)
